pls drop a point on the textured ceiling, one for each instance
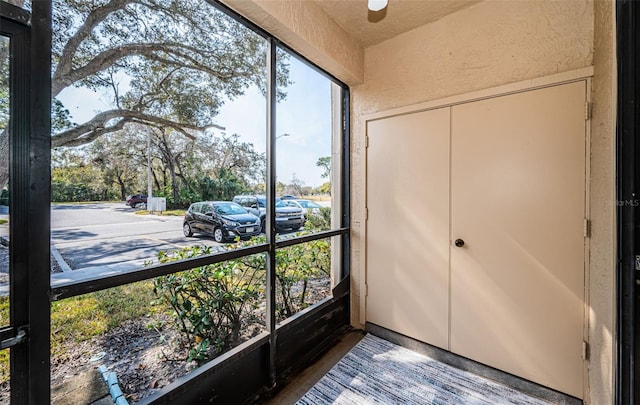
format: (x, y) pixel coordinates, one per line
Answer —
(400, 16)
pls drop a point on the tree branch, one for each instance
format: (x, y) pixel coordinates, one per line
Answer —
(152, 51)
(95, 17)
(99, 125)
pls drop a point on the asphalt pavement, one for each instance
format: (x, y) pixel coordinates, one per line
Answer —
(94, 240)
(99, 239)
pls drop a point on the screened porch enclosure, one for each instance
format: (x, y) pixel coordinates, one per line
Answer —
(286, 291)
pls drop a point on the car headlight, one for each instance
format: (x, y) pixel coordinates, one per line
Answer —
(230, 223)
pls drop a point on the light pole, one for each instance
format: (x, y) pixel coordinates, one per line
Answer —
(149, 173)
(280, 136)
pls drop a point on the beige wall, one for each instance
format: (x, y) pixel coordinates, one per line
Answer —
(304, 26)
(490, 44)
(602, 195)
(493, 43)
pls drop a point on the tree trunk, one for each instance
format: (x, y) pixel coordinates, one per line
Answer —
(123, 189)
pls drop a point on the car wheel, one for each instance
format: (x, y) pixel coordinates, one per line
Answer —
(218, 236)
(295, 228)
(262, 226)
(186, 229)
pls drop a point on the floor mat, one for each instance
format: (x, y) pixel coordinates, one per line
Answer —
(376, 371)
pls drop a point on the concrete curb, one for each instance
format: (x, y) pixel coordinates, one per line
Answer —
(56, 255)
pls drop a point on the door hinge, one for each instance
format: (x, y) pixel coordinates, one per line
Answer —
(366, 141)
(366, 290)
(585, 350)
(12, 337)
(588, 110)
(587, 228)
(637, 262)
(366, 213)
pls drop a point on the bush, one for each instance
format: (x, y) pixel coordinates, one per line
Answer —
(211, 303)
(295, 266)
(320, 222)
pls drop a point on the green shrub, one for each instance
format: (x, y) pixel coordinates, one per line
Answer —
(320, 222)
(209, 302)
(295, 266)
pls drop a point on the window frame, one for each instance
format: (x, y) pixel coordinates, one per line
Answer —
(67, 289)
(275, 352)
(338, 305)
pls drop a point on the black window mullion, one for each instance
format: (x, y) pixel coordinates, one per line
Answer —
(62, 290)
(271, 208)
(345, 180)
(18, 130)
(39, 221)
(29, 158)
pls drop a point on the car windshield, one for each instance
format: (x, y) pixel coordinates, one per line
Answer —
(279, 202)
(229, 209)
(308, 204)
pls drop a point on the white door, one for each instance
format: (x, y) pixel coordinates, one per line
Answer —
(408, 226)
(518, 202)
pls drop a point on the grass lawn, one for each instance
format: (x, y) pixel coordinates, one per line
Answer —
(81, 318)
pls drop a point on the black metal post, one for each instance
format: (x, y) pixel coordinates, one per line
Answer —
(271, 209)
(19, 268)
(628, 178)
(346, 181)
(39, 222)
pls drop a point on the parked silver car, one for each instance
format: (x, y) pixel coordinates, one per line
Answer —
(286, 217)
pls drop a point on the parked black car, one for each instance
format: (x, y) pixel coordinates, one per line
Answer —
(224, 220)
(286, 217)
(135, 199)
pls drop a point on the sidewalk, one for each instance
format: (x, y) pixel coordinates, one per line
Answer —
(95, 272)
(87, 273)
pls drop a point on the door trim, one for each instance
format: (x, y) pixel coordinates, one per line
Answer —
(491, 92)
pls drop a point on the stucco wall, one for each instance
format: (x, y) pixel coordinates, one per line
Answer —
(490, 44)
(487, 45)
(602, 195)
(304, 26)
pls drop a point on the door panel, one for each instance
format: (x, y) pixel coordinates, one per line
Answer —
(518, 192)
(408, 225)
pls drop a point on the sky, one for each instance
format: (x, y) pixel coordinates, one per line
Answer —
(305, 116)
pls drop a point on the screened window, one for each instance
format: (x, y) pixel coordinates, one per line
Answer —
(198, 187)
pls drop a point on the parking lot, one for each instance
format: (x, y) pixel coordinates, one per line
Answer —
(96, 239)
(88, 235)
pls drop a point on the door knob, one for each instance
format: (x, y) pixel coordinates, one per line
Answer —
(459, 243)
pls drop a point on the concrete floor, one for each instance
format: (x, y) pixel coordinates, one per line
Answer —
(303, 381)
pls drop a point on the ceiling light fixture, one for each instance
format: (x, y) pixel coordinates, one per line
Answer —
(377, 5)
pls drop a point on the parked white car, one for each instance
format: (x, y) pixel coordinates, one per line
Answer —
(308, 207)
